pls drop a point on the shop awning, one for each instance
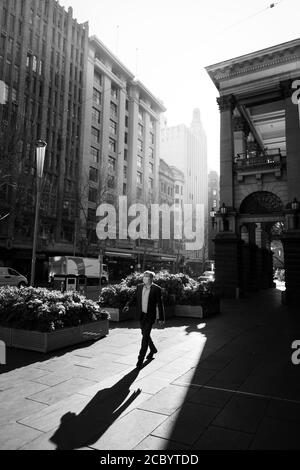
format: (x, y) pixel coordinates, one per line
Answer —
(119, 254)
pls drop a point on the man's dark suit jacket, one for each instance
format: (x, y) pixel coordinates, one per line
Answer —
(154, 299)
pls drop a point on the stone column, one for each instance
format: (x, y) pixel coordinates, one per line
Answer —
(291, 246)
(292, 132)
(228, 258)
(240, 133)
(226, 106)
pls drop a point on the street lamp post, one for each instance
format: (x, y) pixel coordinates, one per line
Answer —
(40, 158)
(295, 208)
(212, 216)
(224, 210)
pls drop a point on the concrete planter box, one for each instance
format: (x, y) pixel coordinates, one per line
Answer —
(5, 335)
(45, 342)
(116, 314)
(208, 308)
(194, 311)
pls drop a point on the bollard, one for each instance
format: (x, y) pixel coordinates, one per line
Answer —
(2, 352)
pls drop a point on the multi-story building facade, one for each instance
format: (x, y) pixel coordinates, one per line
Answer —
(43, 53)
(213, 207)
(121, 153)
(171, 182)
(186, 148)
(259, 170)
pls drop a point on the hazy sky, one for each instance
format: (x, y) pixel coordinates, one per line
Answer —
(167, 44)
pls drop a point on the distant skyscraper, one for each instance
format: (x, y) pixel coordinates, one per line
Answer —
(186, 149)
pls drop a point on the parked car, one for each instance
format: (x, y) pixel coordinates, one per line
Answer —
(11, 277)
(207, 276)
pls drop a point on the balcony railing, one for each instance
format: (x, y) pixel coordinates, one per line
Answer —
(270, 159)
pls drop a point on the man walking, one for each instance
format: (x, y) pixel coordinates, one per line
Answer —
(148, 297)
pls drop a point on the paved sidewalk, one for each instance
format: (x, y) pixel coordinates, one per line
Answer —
(226, 382)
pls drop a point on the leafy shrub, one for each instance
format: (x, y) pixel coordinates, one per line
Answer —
(39, 309)
(117, 296)
(176, 288)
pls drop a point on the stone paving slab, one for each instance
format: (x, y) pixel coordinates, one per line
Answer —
(284, 410)
(211, 397)
(168, 399)
(20, 388)
(242, 413)
(50, 417)
(157, 443)
(215, 438)
(14, 435)
(187, 424)
(128, 432)
(277, 435)
(195, 376)
(60, 391)
(18, 408)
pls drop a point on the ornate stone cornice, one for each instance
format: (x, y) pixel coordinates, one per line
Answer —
(262, 60)
(226, 103)
(286, 88)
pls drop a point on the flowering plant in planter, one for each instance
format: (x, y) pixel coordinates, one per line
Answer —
(42, 310)
(117, 296)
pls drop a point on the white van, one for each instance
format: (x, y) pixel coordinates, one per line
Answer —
(11, 277)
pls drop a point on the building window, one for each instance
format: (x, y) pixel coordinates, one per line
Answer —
(113, 109)
(176, 201)
(95, 135)
(97, 79)
(140, 145)
(92, 194)
(111, 164)
(139, 177)
(96, 96)
(126, 121)
(151, 137)
(139, 162)
(151, 168)
(139, 193)
(126, 138)
(151, 125)
(151, 152)
(95, 155)
(95, 116)
(177, 189)
(112, 145)
(125, 154)
(181, 190)
(151, 184)
(111, 181)
(141, 130)
(113, 127)
(125, 172)
(114, 92)
(124, 188)
(93, 176)
(141, 115)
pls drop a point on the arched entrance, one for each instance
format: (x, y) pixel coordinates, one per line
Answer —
(244, 256)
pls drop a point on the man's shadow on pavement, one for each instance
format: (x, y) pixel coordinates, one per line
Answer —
(91, 423)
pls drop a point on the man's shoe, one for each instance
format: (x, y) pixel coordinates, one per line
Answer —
(151, 354)
(139, 364)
